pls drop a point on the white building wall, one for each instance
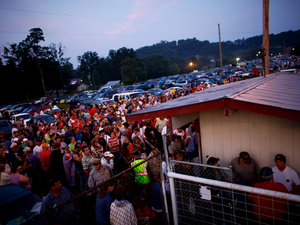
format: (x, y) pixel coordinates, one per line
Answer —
(260, 135)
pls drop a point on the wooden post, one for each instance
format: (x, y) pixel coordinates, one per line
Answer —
(220, 50)
(266, 34)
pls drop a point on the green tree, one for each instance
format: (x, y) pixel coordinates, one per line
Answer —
(175, 69)
(132, 71)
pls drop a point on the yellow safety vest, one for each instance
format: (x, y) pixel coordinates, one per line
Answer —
(141, 175)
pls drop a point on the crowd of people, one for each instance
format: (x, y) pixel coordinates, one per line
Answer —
(88, 146)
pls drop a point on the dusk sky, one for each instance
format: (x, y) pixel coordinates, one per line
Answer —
(98, 25)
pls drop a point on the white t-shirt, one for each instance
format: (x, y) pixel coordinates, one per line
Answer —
(288, 177)
(37, 151)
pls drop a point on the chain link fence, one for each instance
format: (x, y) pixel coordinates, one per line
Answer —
(202, 170)
(117, 200)
(197, 200)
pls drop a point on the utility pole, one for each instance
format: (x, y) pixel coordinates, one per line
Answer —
(220, 50)
(266, 35)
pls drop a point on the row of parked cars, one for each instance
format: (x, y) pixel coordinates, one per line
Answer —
(25, 112)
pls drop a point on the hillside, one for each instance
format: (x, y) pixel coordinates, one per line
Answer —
(193, 47)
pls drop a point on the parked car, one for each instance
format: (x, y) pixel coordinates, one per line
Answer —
(85, 101)
(25, 116)
(5, 127)
(45, 119)
(42, 100)
(18, 205)
(47, 111)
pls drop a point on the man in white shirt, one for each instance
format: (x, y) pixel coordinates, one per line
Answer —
(285, 175)
(38, 148)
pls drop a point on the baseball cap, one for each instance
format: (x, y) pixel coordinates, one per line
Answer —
(280, 157)
(45, 145)
(108, 154)
(135, 151)
(96, 161)
(27, 149)
(245, 156)
(266, 171)
(13, 145)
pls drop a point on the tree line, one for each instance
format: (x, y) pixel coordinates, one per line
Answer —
(29, 70)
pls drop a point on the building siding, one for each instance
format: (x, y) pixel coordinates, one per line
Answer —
(261, 135)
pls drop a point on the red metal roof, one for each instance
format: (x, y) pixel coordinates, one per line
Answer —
(275, 95)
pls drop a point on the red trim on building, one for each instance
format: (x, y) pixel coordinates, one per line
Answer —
(223, 103)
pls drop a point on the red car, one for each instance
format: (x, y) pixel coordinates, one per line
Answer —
(34, 110)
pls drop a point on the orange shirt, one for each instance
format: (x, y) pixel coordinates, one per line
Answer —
(46, 158)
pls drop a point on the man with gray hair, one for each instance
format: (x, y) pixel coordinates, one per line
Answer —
(265, 207)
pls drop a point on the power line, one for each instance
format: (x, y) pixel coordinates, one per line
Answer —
(138, 21)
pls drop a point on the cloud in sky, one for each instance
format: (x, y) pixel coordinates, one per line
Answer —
(143, 11)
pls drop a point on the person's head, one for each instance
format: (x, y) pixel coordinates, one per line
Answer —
(136, 140)
(97, 163)
(54, 185)
(280, 161)
(72, 139)
(67, 150)
(266, 174)
(77, 130)
(179, 130)
(120, 192)
(213, 161)
(14, 147)
(108, 155)
(172, 137)
(27, 151)
(16, 169)
(188, 131)
(112, 134)
(56, 145)
(244, 157)
(45, 147)
(86, 150)
(136, 153)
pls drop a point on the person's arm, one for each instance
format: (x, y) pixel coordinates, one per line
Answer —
(187, 140)
(24, 179)
(26, 165)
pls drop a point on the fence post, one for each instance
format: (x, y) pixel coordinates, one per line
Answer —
(166, 152)
(164, 190)
(173, 199)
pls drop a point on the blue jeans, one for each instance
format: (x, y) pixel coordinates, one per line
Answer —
(83, 177)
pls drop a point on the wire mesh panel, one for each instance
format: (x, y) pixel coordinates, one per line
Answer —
(202, 170)
(204, 203)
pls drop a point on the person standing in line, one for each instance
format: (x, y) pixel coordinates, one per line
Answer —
(285, 174)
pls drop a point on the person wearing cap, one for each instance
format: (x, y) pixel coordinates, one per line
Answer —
(265, 207)
(30, 162)
(99, 173)
(24, 143)
(108, 160)
(285, 174)
(141, 174)
(244, 169)
(45, 158)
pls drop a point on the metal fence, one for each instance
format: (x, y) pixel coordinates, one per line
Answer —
(141, 204)
(201, 170)
(197, 200)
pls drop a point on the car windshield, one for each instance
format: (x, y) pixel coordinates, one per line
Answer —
(87, 101)
(48, 119)
(4, 124)
(25, 117)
